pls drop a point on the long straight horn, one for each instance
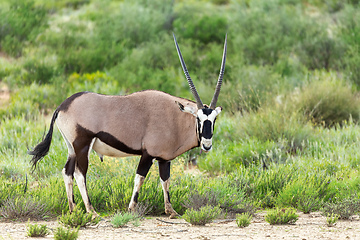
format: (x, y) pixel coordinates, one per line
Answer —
(221, 75)
(200, 105)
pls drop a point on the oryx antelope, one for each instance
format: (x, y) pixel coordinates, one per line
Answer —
(149, 123)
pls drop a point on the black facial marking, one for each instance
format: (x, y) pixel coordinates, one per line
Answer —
(206, 132)
(136, 197)
(207, 111)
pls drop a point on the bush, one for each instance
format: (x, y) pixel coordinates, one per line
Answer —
(243, 220)
(21, 23)
(301, 194)
(331, 220)
(328, 101)
(204, 26)
(281, 216)
(66, 234)
(24, 207)
(98, 82)
(121, 219)
(276, 123)
(202, 216)
(344, 209)
(78, 218)
(34, 230)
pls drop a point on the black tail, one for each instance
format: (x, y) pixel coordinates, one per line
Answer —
(42, 148)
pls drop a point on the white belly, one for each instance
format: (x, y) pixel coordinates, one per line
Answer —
(102, 148)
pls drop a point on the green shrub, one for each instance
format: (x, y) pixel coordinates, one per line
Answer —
(20, 23)
(328, 101)
(302, 195)
(205, 26)
(281, 216)
(243, 220)
(78, 218)
(276, 123)
(202, 216)
(24, 207)
(331, 220)
(344, 209)
(66, 234)
(98, 82)
(121, 219)
(35, 230)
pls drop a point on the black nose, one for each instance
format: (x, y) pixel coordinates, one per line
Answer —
(206, 148)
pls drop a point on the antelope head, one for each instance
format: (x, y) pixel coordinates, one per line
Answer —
(205, 115)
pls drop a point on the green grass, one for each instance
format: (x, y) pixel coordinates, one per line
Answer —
(35, 230)
(121, 219)
(290, 97)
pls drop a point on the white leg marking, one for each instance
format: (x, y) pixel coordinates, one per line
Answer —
(168, 207)
(80, 180)
(139, 180)
(69, 189)
(91, 145)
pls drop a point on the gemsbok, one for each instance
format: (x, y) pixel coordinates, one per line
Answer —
(149, 123)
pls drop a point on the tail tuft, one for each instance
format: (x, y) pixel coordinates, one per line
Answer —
(43, 147)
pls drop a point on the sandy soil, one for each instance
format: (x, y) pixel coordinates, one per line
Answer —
(309, 226)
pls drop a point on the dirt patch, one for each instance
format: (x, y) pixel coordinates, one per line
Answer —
(309, 226)
(4, 95)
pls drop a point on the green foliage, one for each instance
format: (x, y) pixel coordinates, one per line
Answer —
(66, 233)
(344, 209)
(24, 207)
(121, 219)
(201, 216)
(35, 230)
(98, 82)
(334, 104)
(20, 23)
(302, 195)
(78, 218)
(280, 73)
(331, 220)
(243, 220)
(281, 216)
(205, 26)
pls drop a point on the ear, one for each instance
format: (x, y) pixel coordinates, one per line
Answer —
(218, 110)
(186, 109)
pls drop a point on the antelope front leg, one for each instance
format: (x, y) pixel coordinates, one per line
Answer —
(164, 170)
(141, 172)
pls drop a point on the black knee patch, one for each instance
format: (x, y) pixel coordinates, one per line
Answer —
(70, 166)
(136, 197)
(168, 195)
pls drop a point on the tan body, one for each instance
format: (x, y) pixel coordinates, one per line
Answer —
(146, 120)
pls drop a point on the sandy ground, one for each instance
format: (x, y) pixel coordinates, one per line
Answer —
(309, 226)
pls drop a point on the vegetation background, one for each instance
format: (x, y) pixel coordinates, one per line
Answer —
(289, 132)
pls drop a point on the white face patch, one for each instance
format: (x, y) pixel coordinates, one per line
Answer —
(206, 119)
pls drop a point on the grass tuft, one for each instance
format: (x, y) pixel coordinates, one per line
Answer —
(62, 233)
(78, 218)
(121, 219)
(281, 216)
(202, 216)
(35, 230)
(243, 220)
